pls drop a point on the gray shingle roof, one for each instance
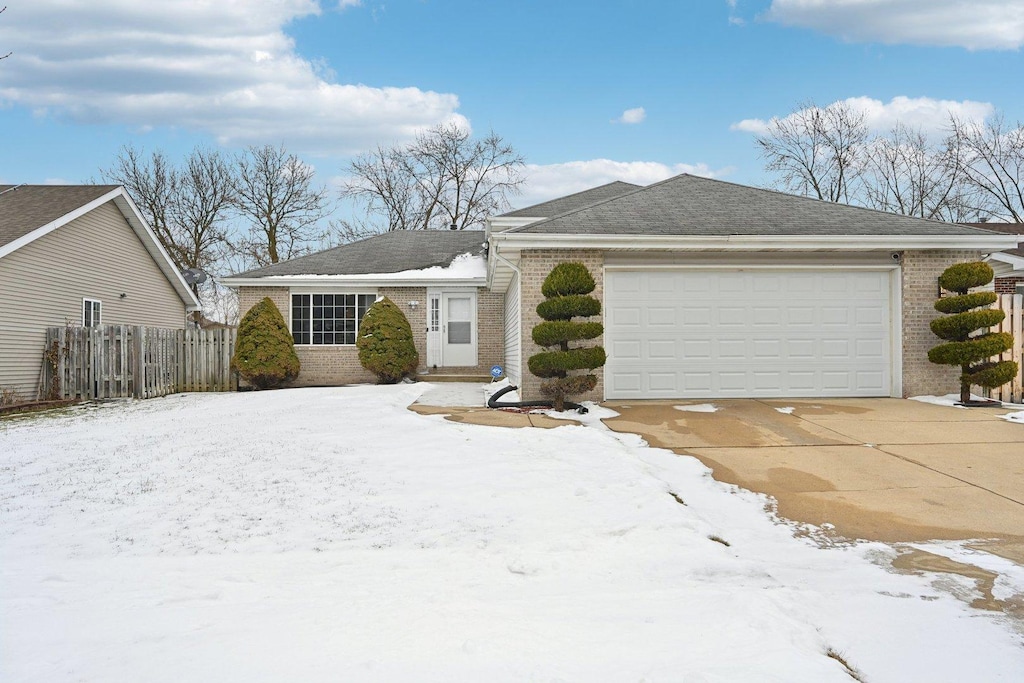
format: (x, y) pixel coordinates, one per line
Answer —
(24, 208)
(692, 205)
(1006, 228)
(390, 252)
(571, 202)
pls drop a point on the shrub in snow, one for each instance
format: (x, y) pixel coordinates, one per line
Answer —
(567, 295)
(385, 342)
(968, 314)
(265, 351)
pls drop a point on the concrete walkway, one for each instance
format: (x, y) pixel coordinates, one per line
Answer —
(879, 469)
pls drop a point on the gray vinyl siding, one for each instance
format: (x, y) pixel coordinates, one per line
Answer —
(96, 256)
(513, 332)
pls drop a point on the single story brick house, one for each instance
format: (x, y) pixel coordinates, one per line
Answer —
(710, 290)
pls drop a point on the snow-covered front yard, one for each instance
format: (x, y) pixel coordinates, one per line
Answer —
(333, 535)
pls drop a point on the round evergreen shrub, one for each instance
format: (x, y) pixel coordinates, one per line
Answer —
(967, 314)
(385, 343)
(265, 351)
(567, 291)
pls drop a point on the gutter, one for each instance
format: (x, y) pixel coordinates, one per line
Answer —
(992, 242)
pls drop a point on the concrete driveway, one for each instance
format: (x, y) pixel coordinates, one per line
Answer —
(880, 469)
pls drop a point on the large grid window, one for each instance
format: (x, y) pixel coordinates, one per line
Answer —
(328, 319)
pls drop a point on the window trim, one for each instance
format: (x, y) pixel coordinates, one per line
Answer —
(313, 292)
(95, 308)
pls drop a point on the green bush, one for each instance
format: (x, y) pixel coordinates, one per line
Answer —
(566, 288)
(265, 351)
(967, 315)
(962, 277)
(566, 279)
(558, 363)
(965, 302)
(568, 307)
(552, 332)
(385, 343)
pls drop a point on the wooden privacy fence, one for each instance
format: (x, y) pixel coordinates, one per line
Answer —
(1013, 306)
(120, 361)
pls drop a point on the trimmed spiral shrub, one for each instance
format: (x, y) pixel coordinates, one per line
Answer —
(265, 352)
(967, 314)
(567, 291)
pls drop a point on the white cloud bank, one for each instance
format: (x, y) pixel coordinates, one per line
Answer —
(636, 115)
(549, 181)
(926, 113)
(975, 25)
(225, 68)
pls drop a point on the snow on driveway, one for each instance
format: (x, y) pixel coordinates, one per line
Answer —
(331, 534)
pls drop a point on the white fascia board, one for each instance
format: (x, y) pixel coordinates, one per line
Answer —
(156, 250)
(344, 280)
(1016, 261)
(756, 242)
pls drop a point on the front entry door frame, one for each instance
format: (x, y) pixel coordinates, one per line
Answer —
(458, 345)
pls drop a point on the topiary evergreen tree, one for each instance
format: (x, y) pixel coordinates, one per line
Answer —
(265, 351)
(385, 342)
(969, 313)
(566, 290)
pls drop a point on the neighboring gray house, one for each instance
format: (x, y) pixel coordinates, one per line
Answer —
(78, 255)
(1007, 266)
(709, 289)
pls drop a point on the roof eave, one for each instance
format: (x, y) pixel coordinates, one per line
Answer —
(985, 243)
(1016, 261)
(348, 280)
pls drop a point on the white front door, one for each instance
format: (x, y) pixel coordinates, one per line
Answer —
(458, 329)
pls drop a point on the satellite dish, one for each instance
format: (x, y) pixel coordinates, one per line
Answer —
(194, 276)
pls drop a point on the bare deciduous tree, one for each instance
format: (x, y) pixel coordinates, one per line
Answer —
(152, 183)
(444, 177)
(993, 165)
(906, 173)
(204, 199)
(816, 151)
(275, 193)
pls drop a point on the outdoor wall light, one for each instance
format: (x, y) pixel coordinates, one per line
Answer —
(414, 304)
(123, 295)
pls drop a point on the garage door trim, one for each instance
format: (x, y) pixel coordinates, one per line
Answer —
(895, 298)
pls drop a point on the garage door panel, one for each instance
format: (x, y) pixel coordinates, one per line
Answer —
(707, 334)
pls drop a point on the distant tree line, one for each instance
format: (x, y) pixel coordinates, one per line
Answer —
(224, 213)
(974, 172)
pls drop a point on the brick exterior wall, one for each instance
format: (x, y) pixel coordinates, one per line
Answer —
(921, 270)
(534, 266)
(1008, 285)
(336, 365)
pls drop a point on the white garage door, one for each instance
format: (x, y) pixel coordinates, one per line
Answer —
(747, 333)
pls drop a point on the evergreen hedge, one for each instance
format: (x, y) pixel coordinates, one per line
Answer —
(967, 313)
(385, 343)
(566, 289)
(265, 352)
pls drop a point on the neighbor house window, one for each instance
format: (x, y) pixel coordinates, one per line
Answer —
(328, 319)
(91, 309)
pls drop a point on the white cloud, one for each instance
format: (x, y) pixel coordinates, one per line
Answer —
(636, 115)
(225, 68)
(975, 25)
(548, 181)
(926, 113)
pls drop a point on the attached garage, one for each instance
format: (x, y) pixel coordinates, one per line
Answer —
(769, 332)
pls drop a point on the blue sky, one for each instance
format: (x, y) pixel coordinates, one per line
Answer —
(588, 92)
